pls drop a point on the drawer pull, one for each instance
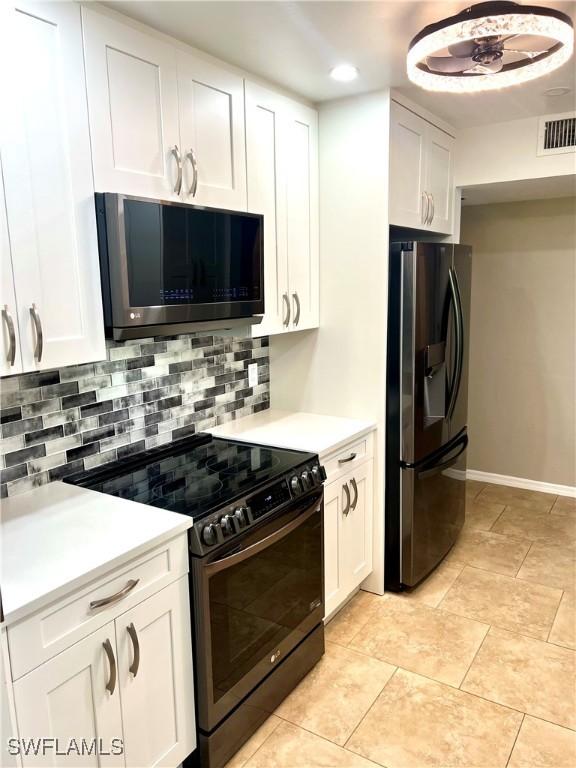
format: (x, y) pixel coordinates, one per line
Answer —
(111, 684)
(114, 598)
(355, 489)
(131, 629)
(347, 459)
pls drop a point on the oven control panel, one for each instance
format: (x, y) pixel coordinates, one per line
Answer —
(232, 520)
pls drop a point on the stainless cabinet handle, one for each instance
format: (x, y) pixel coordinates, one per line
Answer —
(347, 459)
(433, 211)
(425, 207)
(7, 317)
(287, 305)
(194, 186)
(296, 308)
(111, 684)
(176, 152)
(131, 629)
(346, 509)
(355, 489)
(114, 598)
(39, 335)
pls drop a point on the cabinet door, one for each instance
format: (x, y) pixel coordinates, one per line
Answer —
(10, 358)
(407, 204)
(212, 131)
(334, 581)
(67, 698)
(301, 148)
(440, 178)
(356, 534)
(155, 678)
(49, 190)
(133, 102)
(267, 195)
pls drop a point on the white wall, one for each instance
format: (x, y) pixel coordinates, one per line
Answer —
(505, 152)
(521, 396)
(340, 368)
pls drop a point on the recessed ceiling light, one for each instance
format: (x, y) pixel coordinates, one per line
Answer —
(490, 45)
(344, 73)
(560, 90)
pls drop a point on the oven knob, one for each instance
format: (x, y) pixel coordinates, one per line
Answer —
(295, 485)
(306, 479)
(209, 535)
(241, 515)
(226, 525)
(316, 474)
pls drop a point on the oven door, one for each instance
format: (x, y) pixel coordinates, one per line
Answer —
(254, 602)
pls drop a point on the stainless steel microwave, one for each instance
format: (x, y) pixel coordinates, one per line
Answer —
(169, 268)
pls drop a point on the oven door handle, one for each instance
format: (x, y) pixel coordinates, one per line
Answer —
(253, 549)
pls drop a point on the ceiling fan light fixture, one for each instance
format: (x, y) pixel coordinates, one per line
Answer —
(485, 33)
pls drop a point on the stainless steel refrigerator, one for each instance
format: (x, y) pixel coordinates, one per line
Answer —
(427, 406)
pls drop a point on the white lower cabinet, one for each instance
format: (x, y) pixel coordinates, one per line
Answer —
(155, 676)
(67, 698)
(348, 515)
(128, 686)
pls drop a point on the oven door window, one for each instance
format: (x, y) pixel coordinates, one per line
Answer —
(256, 604)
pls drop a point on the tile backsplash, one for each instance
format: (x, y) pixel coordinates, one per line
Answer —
(146, 393)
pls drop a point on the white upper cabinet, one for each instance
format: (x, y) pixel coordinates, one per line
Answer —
(407, 139)
(302, 208)
(212, 134)
(440, 179)
(10, 357)
(421, 173)
(165, 123)
(267, 195)
(49, 189)
(282, 168)
(133, 104)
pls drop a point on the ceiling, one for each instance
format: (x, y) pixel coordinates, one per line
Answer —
(295, 44)
(523, 189)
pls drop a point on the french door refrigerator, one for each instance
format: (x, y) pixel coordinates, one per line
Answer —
(427, 404)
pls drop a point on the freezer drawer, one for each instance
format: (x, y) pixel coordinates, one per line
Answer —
(433, 498)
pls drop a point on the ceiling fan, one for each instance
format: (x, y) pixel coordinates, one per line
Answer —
(490, 45)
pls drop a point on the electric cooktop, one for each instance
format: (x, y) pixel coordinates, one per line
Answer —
(193, 476)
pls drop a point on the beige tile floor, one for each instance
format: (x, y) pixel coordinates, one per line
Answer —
(476, 668)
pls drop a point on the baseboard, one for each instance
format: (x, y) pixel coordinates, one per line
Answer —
(521, 482)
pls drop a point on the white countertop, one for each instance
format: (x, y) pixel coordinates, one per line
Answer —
(57, 537)
(300, 431)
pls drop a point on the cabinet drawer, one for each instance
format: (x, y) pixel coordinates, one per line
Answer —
(54, 628)
(348, 457)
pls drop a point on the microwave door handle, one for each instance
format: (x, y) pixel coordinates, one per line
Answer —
(253, 549)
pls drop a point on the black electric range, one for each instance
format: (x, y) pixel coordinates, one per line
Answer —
(256, 571)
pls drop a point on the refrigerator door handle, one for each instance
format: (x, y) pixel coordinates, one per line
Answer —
(459, 339)
(432, 469)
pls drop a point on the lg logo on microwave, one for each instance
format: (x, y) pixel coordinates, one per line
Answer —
(275, 657)
(135, 315)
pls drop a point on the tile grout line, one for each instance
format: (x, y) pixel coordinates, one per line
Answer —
(555, 617)
(465, 675)
(369, 710)
(516, 739)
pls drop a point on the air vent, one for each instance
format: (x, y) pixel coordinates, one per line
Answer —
(557, 133)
